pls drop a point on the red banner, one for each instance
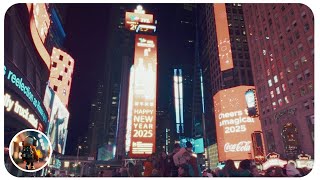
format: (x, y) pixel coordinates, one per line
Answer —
(143, 134)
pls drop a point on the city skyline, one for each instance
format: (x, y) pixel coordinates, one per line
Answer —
(109, 82)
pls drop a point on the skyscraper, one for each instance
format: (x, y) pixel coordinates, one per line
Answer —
(281, 41)
(215, 76)
(97, 122)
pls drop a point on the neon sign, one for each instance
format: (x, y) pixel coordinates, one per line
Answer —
(26, 90)
(11, 105)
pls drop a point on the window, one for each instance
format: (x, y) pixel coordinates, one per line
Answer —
(60, 78)
(299, 77)
(306, 27)
(288, 70)
(307, 73)
(271, 94)
(284, 87)
(275, 78)
(303, 59)
(300, 47)
(69, 63)
(66, 70)
(64, 92)
(270, 82)
(310, 88)
(303, 15)
(306, 105)
(297, 34)
(290, 40)
(310, 40)
(274, 105)
(296, 65)
(280, 102)
(286, 99)
(278, 90)
(60, 57)
(291, 82)
(54, 64)
(302, 91)
(294, 23)
(268, 72)
(281, 75)
(68, 83)
(55, 88)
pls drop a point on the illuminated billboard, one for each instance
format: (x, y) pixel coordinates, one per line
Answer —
(143, 132)
(178, 99)
(129, 114)
(62, 65)
(39, 27)
(58, 126)
(222, 29)
(234, 126)
(134, 19)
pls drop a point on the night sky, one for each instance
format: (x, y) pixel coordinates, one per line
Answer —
(86, 41)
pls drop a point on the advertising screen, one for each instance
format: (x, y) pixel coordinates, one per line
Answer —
(58, 126)
(105, 153)
(223, 38)
(134, 19)
(143, 132)
(198, 145)
(48, 100)
(233, 124)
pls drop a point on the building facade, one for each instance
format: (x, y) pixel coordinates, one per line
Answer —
(215, 79)
(281, 42)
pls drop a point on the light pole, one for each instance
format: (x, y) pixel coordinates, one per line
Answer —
(77, 164)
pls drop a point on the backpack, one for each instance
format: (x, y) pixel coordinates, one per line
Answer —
(27, 153)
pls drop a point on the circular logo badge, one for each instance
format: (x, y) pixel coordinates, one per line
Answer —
(30, 150)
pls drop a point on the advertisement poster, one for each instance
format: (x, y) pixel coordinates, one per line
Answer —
(58, 126)
(233, 124)
(223, 38)
(134, 19)
(143, 132)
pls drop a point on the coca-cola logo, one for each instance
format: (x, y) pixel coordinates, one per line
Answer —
(242, 146)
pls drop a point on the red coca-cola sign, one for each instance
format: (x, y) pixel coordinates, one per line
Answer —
(234, 124)
(242, 146)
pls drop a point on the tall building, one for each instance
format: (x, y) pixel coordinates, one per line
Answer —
(281, 41)
(215, 77)
(182, 28)
(97, 124)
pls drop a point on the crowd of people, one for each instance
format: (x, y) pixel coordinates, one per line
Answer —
(183, 163)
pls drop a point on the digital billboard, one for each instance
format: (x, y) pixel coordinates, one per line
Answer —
(58, 125)
(105, 153)
(48, 100)
(143, 132)
(234, 126)
(134, 19)
(223, 38)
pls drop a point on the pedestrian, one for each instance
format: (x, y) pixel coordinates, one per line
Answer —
(177, 158)
(148, 167)
(155, 173)
(172, 166)
(183, 171)
(244, 168)
(191, 161)
(255, 171)
(275, 171)
(229, 170)
(292, 171)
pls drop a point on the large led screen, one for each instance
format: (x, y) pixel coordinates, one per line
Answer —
(134, 19)
(223, 38)
(58, 126)
(143, 132)
(233, 124)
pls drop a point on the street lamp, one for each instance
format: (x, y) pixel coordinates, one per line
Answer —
(79, 147)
